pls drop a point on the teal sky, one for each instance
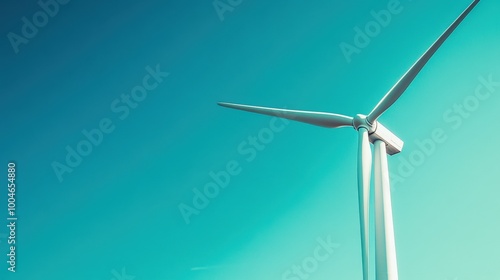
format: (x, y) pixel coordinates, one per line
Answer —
(114, 213)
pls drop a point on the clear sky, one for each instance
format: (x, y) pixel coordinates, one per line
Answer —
(126, 167)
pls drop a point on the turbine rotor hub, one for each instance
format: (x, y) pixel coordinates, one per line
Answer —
(360, 121)
(378, 132)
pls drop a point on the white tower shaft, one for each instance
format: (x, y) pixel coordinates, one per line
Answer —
(385, 245)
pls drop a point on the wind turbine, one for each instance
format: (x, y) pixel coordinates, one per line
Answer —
(384, 142)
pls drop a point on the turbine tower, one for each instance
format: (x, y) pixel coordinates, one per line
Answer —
(384, 142)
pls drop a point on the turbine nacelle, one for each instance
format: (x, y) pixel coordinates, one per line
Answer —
(377, 131)
(393, 143)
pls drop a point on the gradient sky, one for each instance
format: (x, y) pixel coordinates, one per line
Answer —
(116, 214)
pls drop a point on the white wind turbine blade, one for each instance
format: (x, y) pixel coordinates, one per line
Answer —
(397, 90)
(385, 244)
(316, 118)
(364, 173)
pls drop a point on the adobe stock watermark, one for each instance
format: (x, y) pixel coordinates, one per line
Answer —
(363, 36)
(121, 108)
(223, 6)
(454, 118)
(219, 180)
(30, 26)
(307, 266)
(122, 275)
